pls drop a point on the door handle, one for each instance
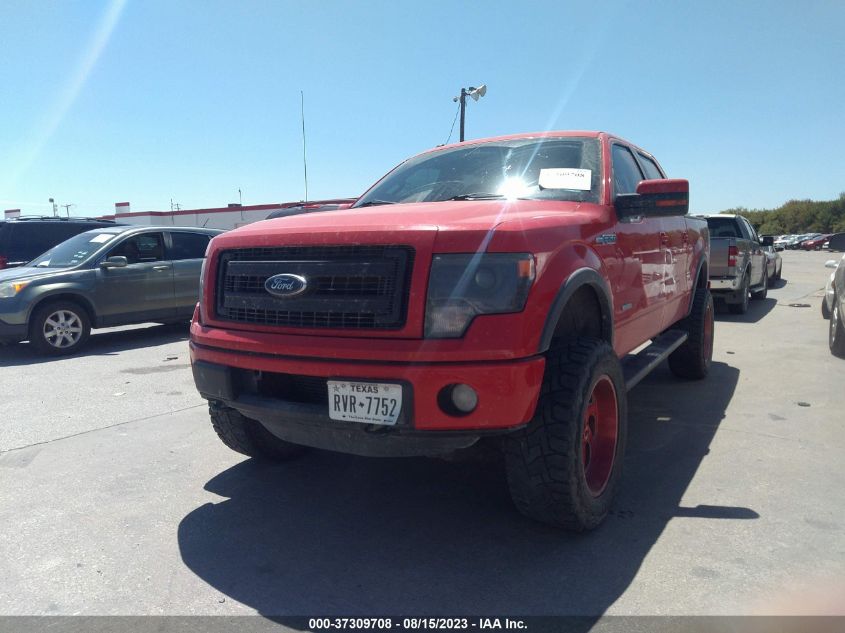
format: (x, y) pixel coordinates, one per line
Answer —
(161, 267)
(664, 237)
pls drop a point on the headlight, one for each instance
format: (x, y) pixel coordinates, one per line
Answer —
(11, 288)
(463, 286)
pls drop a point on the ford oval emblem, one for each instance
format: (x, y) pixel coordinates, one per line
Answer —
(285, 285)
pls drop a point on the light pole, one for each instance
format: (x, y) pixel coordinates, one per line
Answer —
(476, 94)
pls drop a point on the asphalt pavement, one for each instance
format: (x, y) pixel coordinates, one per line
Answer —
(116, 497)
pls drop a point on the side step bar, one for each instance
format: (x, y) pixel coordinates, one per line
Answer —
(638, 366)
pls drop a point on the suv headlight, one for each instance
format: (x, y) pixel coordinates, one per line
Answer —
(463, 286)
(11, 288)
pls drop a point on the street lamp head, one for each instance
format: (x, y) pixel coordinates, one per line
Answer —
(477, 93)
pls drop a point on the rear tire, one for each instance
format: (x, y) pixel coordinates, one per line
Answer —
(59, 328)
(759, 295)
(742, 307)
(565, 466)
(248, 437)
(836, 333)
(692, 359)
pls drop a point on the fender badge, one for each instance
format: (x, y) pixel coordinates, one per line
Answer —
(606, 238)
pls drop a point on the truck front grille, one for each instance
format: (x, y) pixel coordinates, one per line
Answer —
(348, 287)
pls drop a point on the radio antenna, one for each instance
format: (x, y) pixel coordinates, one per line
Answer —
(304, 158)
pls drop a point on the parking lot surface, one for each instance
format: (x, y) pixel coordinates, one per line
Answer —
(117, 498)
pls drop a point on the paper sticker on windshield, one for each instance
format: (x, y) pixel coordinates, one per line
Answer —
(579, 179)
(101, 238)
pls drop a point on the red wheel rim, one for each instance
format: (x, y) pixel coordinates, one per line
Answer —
(599, 434)
(707, 348)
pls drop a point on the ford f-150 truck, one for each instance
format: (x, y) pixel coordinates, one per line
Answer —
(492, 290)
(738, 263)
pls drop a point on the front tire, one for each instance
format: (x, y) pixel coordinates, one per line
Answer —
(565, 466)
(692, 359)
(836, 333)
(248, 437)
(59, 328)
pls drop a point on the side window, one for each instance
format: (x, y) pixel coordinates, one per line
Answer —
(188, 245)
(626, 173)
(745, 228)
(140, 249)
(752, 232)
(651, 170)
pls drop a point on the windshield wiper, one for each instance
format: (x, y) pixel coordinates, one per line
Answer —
(375, 203)
(480, 195)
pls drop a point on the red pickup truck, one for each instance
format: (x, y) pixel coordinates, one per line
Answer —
(492, 290)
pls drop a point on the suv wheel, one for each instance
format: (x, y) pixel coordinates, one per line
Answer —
(59, 328)
(564, 467)
(247, 436)
(836, 335)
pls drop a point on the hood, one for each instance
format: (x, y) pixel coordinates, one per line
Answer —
(470, 215)
(26, 272)
(449, 226)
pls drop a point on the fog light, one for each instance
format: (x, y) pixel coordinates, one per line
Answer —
(464, 398)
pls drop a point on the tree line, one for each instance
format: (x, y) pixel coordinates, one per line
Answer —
(798, 216)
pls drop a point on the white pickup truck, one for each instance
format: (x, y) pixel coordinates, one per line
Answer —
(737, 262)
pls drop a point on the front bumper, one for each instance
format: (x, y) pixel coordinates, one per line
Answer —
(12, 333)
(507, 396)
(725, 284)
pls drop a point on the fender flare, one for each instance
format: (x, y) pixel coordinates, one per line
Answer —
(701, 264)
(63, 294)
(578, 279)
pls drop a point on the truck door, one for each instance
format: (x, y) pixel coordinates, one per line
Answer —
(639, 285)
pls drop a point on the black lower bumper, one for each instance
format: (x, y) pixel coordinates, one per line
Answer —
(309, 424)
(12, 333)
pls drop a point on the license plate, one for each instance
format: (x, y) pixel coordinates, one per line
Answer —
(365, 402)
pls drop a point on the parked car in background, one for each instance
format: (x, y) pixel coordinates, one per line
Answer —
(23, 239)
(774, 262)
(737, 262)
(815, 243)
(795, 242)
(781, 242)
(836, 242)
(834, 299)
(110, 276)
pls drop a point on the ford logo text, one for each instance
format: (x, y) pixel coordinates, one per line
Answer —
(285, 285)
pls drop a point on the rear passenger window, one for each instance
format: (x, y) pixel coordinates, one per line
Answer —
(651, 170)
(188, 245)
(626, 173)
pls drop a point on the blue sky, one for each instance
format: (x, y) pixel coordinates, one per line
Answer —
(147, 101)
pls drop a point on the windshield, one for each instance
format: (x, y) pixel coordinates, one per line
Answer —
(543, 169)
(75, 250)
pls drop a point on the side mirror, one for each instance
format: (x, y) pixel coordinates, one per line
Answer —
(118, 261)
(831, 263)
(767, 240)
(655, 197)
